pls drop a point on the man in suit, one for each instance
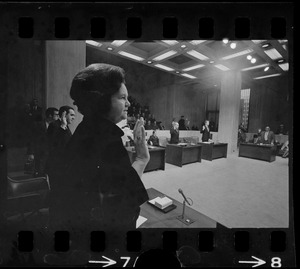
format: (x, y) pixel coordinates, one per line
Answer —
(38, 145)
(174, 133)
(58, 134)
(267, 137)
(182, 123)
(205, 131)
(153, 139)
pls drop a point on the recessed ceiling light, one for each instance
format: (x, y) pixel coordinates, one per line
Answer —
(170, 42)
(273, 75)
(253, 60)
(188, 76)
(164, 67)
(211, 62)
(266, 68)
(193, 67)
(233, 45)
(149, 62)
(249, 57)
(280, 61)
(183, 46)
(93, 43)
(177, 72)
(165, 55)
(273, 54)
(109, 48)
(197, 42)
(198, 55)
(284, 67)
(118, 43)
(131, 56)
(222, 67)
(225, 40)
(266, 45)
(255, 67)
(240, 53)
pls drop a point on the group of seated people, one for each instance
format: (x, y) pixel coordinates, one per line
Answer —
(135, 111)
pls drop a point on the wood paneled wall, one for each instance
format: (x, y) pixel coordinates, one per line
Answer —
(64, 59)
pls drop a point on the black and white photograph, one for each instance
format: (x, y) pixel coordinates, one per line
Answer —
(119, 135)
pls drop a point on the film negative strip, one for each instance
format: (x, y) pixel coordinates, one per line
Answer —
(224, 202)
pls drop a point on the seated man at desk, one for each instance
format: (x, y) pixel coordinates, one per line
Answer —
(174, 133)
(267, 137)
(153, 139)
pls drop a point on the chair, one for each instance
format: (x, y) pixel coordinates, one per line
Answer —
(27, 195)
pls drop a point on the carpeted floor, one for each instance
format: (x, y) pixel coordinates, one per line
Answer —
(237, 192)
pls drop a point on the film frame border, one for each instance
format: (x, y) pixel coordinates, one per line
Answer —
(74, 21)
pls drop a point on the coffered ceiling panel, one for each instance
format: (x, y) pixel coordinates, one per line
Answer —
(204, 61)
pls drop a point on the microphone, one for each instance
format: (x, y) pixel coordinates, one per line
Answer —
(181, 192)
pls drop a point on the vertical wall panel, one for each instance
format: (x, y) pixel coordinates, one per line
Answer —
(63, 60)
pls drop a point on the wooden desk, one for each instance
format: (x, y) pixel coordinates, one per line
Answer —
(211, 151)
(159, 219)
(157, 158)
(261, 152)
(180, 155)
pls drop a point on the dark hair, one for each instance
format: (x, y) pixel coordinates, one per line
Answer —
(93, 87)
(50, 111)
(63, 109)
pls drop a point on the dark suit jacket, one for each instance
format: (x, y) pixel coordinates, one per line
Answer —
(98, 188)
(205, 134)
(270, 139)
(174, 136)
(154, 140)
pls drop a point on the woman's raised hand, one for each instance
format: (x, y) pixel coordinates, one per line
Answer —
(139, 138)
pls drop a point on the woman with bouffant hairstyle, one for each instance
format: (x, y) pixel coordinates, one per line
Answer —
(100, 188)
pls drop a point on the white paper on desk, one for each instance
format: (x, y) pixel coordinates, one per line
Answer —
(140, 221)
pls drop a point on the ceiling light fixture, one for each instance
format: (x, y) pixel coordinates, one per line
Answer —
(177, 72)
(193, 67)
(249, 57)
(233, 45)
(149, 62)
(269, 76)
(280, 61)
(165, 55)
(266, 45)
(188, 76)
(284, 67)
(197, 55)
(197, 42)
(164, 67)
(273, 54)
(211, 62)
(118, 43)
(183, 46)
(93, 43)
(131, 56)
(253, 60)
(266, 68)
(258, 41)
(109, 48)
(225, 40)
(243, 52)
(222, 67)
(255, 67)
(170, 42)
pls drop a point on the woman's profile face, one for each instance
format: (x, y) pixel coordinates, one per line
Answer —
(119, 105)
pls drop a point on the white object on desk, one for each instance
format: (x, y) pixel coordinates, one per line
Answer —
(161, 202)
(140, 221)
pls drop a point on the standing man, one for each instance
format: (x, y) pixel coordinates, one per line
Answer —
(182, 123)
(59, 135)
(267, 137)
(174, 133)
(38, 145)
(205, 131)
